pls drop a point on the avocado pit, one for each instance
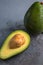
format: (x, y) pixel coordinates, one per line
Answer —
(17, 41)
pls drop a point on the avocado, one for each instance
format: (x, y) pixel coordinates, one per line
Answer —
(33, 19)
(14, 44)
(0, 52)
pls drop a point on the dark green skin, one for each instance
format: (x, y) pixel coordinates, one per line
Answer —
(33, 19)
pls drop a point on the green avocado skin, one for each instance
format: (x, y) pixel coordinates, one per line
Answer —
(33, 19)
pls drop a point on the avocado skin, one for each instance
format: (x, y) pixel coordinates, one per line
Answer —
(33, 19)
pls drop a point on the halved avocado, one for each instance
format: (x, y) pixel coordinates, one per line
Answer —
(15, 43)
(0, 52)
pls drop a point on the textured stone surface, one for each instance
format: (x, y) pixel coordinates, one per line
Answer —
(32, 56)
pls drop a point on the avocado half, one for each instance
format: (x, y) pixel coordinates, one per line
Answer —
(33, 19)
(0, 54)
(6, 52)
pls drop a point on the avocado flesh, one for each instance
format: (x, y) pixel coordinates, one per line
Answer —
(33, 19)
(6, 52)
(0, 52)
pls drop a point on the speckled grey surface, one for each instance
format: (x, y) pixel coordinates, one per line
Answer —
(11, 18)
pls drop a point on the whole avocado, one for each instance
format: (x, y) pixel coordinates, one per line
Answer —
(33, 19)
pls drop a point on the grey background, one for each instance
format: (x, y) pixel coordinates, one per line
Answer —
(11, 17)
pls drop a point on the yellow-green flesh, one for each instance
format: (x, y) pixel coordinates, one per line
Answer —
(0, 52)
(6, 52)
